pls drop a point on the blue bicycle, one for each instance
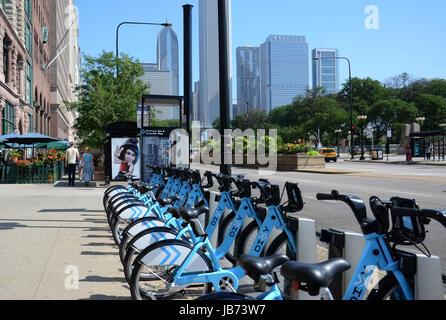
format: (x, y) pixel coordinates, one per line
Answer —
(188, 231)
(407, 228)
(176, 264)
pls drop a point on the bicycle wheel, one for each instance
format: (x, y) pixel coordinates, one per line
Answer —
(224, 296)
(141, 241)
(246, 240)
(161, 260)
(134, 228)
(388, 288)
(222, 232)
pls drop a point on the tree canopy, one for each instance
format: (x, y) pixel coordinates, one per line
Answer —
(398, 101)
(104, 98)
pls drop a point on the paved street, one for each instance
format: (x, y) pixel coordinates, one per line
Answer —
(51, 236)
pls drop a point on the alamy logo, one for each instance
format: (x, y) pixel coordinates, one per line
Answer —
(238, 146)
(72, 279)
(372, 20)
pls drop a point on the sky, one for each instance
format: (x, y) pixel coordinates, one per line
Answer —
(381, 38)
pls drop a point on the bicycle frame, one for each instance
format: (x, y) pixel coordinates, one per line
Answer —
(245, 209)
(273, 219)
(375, 254)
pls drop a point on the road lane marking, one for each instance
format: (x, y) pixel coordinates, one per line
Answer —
(413, 193)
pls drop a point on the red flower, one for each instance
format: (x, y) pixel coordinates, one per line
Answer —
(54, 152)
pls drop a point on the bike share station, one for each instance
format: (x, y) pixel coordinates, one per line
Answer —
(156, 142)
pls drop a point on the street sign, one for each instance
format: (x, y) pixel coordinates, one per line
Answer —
(389, 132)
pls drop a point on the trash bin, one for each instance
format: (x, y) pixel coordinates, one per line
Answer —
(376, 154)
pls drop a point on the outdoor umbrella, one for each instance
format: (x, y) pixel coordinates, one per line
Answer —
(30, 139)
(4, 137)
(56, 145)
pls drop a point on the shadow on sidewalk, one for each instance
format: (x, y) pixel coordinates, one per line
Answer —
(77, 184)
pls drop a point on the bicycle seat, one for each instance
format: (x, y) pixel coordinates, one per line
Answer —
(192, 213)
(167, 201)
(260, 266)
(316, 276)
(146, 188)
(174, 212)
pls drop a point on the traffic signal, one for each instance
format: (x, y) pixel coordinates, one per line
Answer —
(353, 129)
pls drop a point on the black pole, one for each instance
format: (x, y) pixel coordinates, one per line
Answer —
(224, 81)
(137, 23)
(351, 107)
(188, 99)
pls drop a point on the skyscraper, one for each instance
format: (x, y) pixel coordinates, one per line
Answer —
(248, 79)
(168, 57)
(160, 84)
(209, 89)
(284, 70)
(325, 71)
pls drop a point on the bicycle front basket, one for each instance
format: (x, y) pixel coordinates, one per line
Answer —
(406, 229)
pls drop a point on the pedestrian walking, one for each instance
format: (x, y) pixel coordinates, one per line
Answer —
(80, 166)
(408, 152)
(87, 166)
(428, 152)
(72, 156)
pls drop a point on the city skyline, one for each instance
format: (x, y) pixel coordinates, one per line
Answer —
(326, 69)
(376, 53)
(284, 70)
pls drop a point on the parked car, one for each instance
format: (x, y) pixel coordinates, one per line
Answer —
(330, 154)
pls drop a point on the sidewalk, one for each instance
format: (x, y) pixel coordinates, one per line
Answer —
(395, 159)
(56, 244)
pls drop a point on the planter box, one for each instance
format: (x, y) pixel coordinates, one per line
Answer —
(288, 163)
(298, 162)
(99, 176)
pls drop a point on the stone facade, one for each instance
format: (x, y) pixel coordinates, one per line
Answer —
(41, 56)
(65, 71)
(13, 58)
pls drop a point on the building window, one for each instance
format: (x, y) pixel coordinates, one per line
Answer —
(7, 119)
(28, 39)
(6, 60)
(29, 9)
(31, 123)
(29, 83)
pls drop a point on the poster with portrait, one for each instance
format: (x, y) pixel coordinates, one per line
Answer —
(126, 159)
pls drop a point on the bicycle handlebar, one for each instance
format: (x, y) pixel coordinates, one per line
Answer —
(355, 203)
(435, 214)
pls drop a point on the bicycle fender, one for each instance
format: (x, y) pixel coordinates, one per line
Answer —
(153, 235)
(144, 225)
(173, 252)
(133, 212)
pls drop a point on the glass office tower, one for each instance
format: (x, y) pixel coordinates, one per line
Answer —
(168, 57)
(248, 79)
(284, 70)
(325, 70)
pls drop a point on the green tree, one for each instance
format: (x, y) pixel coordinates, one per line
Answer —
(434, 110)
(253, 119)
(104, 98)
(391, 113)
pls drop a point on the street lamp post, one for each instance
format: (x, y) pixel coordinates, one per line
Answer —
(132, 22)
(420, 119)
(351, 94)
(361, 119)
(337, 131)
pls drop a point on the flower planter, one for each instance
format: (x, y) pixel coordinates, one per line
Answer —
(299, 162)
(287, 162)
(99, 175)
